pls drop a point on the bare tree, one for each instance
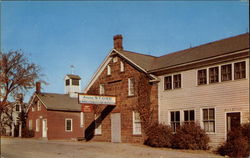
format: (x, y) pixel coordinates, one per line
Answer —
(17, 75)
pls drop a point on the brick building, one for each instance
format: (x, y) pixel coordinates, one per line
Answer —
(120, 76)
(207, 84)
(56, 116)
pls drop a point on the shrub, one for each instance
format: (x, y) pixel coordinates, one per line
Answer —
(237, 143)
(26, 133)
(158, 135)
(190, 136)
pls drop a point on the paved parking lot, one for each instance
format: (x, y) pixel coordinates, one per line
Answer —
(31, 148)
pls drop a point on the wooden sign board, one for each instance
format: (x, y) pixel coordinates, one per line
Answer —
(96, 99)
(87, 108)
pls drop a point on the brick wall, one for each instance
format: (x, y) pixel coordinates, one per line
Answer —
(55, 123)
(117, 84)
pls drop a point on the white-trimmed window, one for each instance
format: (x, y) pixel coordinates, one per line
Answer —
(101, 89)
(121, 66)
(240, 70)
(136, 123)
(98, 125)
(202, 76)
(108, 70)
(37, 125)
(177, 81)
(168, 82)
(32, 108)
(131, 86)
(38, 105)
(68, 125)
(214, 74)
(115, 59)
(226, 72)
(175, 119)
(209, 119)
(81, 119)
(189, 116)
(30, 125)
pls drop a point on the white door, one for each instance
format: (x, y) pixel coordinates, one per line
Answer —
(44, 133)
(116, 127)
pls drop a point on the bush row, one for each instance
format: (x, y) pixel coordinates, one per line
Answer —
(237, 143)
(187, 136)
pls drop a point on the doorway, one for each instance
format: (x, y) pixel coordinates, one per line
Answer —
(44, 129)
(233, 120)
(116, 127)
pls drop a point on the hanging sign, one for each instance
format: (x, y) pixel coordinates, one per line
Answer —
(87, 108)
(95, 99)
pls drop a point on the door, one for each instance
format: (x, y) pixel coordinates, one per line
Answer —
(116, 127)
(44, 131)
(233, 120)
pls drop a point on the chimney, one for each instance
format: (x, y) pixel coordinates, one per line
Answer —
(38, 87)
(118, 42)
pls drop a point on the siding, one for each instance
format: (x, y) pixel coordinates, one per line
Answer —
(229, 96)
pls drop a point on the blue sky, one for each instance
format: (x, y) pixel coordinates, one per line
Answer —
(58, 34)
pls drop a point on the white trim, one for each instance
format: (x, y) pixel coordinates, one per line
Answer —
(138, 121)
(225, 120)
(37, 125)
(129, 86)
(98, 130)
(71, 128)
(81, 119)
(122, 66)
(215, 118)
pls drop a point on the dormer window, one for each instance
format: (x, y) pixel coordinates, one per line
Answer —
(108, 70)
(67, 82)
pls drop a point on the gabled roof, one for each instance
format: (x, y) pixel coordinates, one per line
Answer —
(142, 60)
(63, 102)
(209, 50)
(72, 76)
(150, 64)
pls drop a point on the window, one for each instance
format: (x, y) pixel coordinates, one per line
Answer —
(32, 108)
(202, 76)
(189, 116)
(38, 105)
(101, 89)
(115, 59)
(240, 70)
(121, 66)
(17, 107)
(136, 123)
(75, 82)
(131, 86)
(68, 125)
(98, 126)
(226, 72)
(213, 75)
(168, 82)
(81, 119)
(175, 120)
(30, 125)
(177, 81)
(67, 82)
(209, 120)
(108, 70)
(37, 125)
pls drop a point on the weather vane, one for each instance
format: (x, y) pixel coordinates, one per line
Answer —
(72, 69)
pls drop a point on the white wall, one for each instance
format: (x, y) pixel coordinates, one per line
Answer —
(229, 96)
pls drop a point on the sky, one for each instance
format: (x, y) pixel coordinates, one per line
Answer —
(57, 34)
